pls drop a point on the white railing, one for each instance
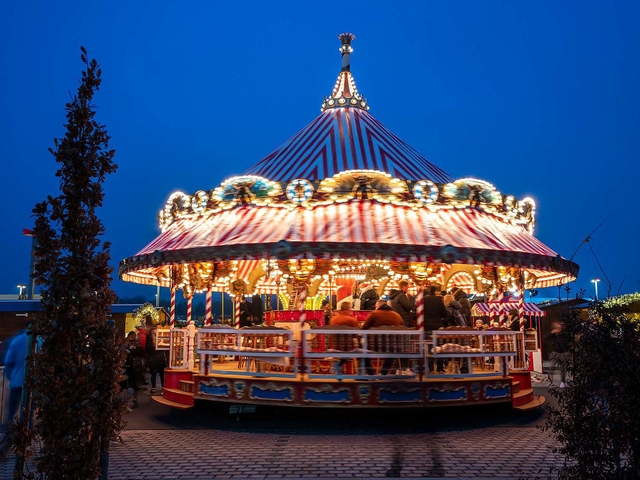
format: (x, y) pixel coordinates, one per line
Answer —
(465, 347)
(261, 351)
(361, 354)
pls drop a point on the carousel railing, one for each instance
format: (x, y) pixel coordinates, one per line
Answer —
(351, 353)
(469, 352)
(254, 351)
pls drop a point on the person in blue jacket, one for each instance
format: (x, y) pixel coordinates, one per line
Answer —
(14, 367)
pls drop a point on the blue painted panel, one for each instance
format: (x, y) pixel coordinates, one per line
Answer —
(218, 390)
(491, 392)
(263, 394)
(341, 396)
(447, 396)
(390, 396)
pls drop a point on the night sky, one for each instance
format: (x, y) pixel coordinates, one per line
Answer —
(538, 98)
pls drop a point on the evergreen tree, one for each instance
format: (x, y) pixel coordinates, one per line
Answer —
(597, 421)
(78, 367)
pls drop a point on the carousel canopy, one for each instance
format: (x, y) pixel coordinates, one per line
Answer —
(345, 187)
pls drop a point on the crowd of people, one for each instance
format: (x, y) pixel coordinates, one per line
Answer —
(441, 310)
(143, 357)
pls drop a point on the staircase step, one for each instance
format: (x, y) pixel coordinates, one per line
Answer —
(535, 403)
(169, 403)
(523, 393)
(522, 397)
(515, 385)
(177, 391)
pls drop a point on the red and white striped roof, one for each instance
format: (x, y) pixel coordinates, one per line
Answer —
(356, 221)
(345, 137)
(358, 228)
(342, 139)
(483, 309)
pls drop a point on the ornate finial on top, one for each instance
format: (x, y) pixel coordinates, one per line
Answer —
(345, 49)
(345, 93)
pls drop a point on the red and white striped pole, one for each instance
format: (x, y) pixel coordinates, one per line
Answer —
(208, 317)
(420, 308)
(500, 309)
(172, 318)
(189, 309)
(521, 310)
(303, 302)
(237, 309)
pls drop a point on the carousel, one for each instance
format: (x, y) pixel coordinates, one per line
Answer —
(342, 204)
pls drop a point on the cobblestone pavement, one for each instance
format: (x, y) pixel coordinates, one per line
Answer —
(205, 454)
(449, 443)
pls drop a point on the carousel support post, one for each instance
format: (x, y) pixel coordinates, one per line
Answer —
(208, 315)
(331, 290)
(420, 307)
(222, 303)
(499, 299)
(302, 306)
(302, 296)
(237, 312)
(172, 321)
(420, 318)
(172, 317)
(208, 320)
(191, 333)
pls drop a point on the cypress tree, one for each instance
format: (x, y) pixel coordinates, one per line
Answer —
(77, 369)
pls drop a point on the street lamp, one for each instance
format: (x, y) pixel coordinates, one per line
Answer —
(21, 289)
(595, 284)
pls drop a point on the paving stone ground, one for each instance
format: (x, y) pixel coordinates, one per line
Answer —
(162, 445)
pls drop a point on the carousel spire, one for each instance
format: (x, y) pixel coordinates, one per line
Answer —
(345, 94)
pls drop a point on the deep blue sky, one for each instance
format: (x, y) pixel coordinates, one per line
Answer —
(538, 98)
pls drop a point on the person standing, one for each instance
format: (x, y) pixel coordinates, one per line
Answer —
(454, 311)
(257, 311)
(435, 314)
(368, 297)
(14, 368)
(559, 351)
(514, 320)
(382, 316)
(434, 310)
(129, 364)
(403, 304)
(245, 313)
(157, 361)
(326, 308)
(461, 297)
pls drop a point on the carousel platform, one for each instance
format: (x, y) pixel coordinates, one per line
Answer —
(182, 388)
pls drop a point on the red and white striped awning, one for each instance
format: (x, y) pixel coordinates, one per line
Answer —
(484, 309)
(353, 222)
(353, 229)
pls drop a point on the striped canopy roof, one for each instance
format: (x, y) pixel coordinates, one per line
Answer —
(484, 309)
(355, 229)
(345, 139)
